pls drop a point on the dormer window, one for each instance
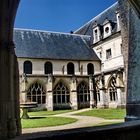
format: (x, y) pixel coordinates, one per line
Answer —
(118, 20)
(107, 28)
(96, 32)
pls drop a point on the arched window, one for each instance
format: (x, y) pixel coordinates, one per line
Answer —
(61, 94)
(70, 68)
(27, 67)
(48, 68)
(112, 89)
(90, 69)
(83, 93)
(36, 93)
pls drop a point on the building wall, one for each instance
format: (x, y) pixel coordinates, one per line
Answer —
(38, 66)
(50, 81)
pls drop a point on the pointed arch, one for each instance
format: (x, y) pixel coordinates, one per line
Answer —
(61, 93)
(112, 89)
(83, 94)
(36, 93)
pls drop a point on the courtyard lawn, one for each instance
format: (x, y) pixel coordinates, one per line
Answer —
(105, 113)
(46, 113)
(35, 122)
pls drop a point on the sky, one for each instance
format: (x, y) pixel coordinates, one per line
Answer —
(58, 15)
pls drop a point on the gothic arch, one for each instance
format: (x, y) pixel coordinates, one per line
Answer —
(38, 81)
(83, 95)
(36, 93)
(61, 95)
(112, 89)
(108, 81)
(63, 81)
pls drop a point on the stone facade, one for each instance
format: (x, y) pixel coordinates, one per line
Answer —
(49, 82)
(106, 88)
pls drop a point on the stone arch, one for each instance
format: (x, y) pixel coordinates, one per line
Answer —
(9, 97)
(112, 89)
(61, 95)
(36, 93)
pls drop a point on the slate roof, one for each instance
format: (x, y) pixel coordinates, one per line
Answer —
(109, 13)
(52, 45)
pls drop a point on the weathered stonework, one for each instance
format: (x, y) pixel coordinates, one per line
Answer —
(9, 90)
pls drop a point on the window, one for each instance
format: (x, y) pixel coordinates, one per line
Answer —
(100, 54)
(27, 67)
(96, 35)
(61, 94)
(48, 68)
(70, 68)
(108, 54)
(107, 29)
(36, 93)
(112, 89)
(90, 69)
(83, 93)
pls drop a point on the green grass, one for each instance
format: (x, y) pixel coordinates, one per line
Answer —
(46, 113)
(105, 113)
(107, 123)
(45, 122)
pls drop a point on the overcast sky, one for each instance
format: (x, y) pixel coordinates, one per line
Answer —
(58, 15)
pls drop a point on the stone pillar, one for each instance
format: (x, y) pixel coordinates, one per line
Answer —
(73, 94)
(23, 91)
(91, 89)
(9, 79)
(133, 73)
(120, 87)
(103, 98)
(49, 93)
(133, 99)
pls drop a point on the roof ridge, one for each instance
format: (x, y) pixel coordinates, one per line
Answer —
(96, 16)
(44, 31)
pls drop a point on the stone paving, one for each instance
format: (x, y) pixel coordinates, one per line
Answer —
(83, 121)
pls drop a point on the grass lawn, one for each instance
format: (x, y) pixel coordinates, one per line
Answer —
(35, 122)
(105, 113)
(42, 119)
(46, 113)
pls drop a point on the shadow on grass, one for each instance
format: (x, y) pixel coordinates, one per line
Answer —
(37, 117)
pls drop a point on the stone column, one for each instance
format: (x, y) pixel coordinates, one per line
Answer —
(9, 80)
(132, 23)
(23, 91)
(50, 93)
(103, 99)
(91, 89)
(133, 99)
(120, 87)
(73, 94)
